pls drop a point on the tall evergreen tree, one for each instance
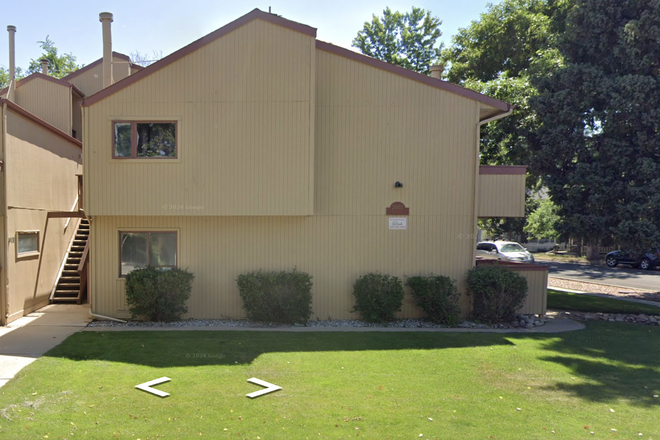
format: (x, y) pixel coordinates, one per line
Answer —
(597, 145)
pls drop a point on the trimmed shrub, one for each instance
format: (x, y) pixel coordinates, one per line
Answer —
(498, 293)
(377, 297)
(158, 295)
(438, 296)
(284, 297)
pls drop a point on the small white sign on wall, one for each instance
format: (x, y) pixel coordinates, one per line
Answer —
(398, 223)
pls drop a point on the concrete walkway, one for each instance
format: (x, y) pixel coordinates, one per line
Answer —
(27, 338)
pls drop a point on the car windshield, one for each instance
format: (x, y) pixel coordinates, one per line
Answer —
(512, 247)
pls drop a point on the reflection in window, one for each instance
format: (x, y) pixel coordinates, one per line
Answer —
(147, 249)
(27, 242)
(145, 140)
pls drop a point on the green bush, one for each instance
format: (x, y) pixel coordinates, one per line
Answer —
(158, 295)
(284, 297)
(438, 296)
(498, 293)
(377, 297)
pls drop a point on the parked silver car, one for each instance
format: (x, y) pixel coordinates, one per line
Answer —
(504, 250)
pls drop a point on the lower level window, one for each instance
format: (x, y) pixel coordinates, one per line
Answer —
(147, 249)
(27, 243)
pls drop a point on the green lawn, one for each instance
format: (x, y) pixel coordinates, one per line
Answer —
(558, 300)
(340, 385)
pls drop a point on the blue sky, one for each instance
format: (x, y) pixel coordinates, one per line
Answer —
(165, 26)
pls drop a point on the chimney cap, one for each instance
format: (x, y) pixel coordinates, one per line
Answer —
(11, 28)
(105, 16)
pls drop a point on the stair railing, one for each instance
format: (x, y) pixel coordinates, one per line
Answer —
(83, 270)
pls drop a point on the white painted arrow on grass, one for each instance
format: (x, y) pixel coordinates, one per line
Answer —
(147, 386)
(269, 388)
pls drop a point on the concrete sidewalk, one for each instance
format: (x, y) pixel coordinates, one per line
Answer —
(27, 338)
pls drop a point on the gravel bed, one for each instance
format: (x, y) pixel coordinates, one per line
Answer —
(344, 323)
(621, 292)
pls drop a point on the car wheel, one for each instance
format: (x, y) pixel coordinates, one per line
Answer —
(645, 264)
(611, 261)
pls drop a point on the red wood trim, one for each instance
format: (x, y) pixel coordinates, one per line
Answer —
(65, 214)
(434, 82)
(397, 208)
(38, 75)
(529, 267)
(502, 169)
(255, 14)
(26, 114)
(134, 139)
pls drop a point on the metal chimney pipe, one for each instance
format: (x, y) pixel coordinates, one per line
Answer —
(106, 18)
(12, 62)
(436, 71)
(44, 66)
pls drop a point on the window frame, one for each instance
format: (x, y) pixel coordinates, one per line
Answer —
(134, 138)
(147, 231)
(34, 253)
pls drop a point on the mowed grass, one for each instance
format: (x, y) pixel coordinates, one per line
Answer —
(558, 300)
(601, 382)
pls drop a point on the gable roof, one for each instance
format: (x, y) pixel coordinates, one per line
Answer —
(253, 15)
(37, 120)
(298, 27)
(39, 75)
(100, 61)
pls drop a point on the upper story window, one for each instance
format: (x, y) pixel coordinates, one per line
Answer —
(150, 140)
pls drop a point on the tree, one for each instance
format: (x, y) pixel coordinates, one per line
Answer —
(598, 139)
(144, 59)
(407, 40)
(542, 222)
(58, 65)
(514, 38)
(4, 76)
(498, 55)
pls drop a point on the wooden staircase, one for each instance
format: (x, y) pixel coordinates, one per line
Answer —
(72, 285)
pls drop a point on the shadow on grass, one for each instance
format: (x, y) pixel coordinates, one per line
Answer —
(609, 360)
(614, 361)
(192, 348)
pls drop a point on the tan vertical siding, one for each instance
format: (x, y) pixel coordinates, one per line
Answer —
(335, 250)
(243, 106)
(91, 80)
(501, 195)
(537, 291)
(40, 170)
(47, 100)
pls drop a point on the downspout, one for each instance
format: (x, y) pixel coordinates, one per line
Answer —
(476, 181)
(4, 294)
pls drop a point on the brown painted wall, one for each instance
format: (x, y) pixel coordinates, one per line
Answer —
(40, 170)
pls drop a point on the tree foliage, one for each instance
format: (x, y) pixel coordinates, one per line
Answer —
(543, 221)
(498, 55)
(511, 39)
(598, 140)
(4, 76)
(407, 40)
(58, 65)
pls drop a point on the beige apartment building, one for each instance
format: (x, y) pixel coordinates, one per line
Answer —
(259, 147)
(41, 165)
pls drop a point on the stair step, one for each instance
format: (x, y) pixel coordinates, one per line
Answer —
(66, 294)
(68, 286)
(70, 278)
